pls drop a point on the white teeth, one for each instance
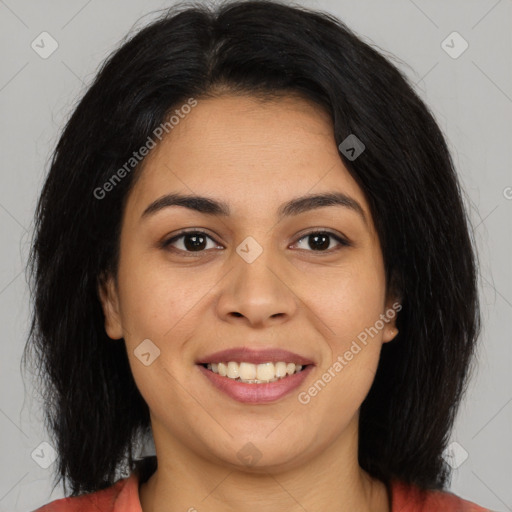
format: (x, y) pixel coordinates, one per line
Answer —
(254, 373)
(247, 371)
(223, 369)
(233, 372)
(265, 371)
(280, 369)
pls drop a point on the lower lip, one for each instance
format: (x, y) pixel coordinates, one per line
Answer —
(256, 393)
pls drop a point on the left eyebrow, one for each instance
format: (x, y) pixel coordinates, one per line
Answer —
(197, 203)
(295, 206)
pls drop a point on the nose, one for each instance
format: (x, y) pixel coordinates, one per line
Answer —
(256, 293)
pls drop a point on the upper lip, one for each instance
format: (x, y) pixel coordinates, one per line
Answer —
(250, 355)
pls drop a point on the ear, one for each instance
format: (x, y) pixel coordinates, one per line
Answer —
(108, 295)
(392, 309)
(393, 306)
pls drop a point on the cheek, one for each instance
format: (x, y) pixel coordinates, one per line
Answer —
(159, 301)
(347, 305)
(346, 300)
(163, 305)
(348, 315)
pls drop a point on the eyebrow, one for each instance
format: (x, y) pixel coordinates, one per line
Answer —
(295, 206)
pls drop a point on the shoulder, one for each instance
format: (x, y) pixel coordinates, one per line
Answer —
(410, 498)
(122, 496)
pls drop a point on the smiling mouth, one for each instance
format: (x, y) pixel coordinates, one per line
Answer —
(250, 373)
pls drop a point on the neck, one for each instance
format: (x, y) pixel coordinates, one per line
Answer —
(332, 481)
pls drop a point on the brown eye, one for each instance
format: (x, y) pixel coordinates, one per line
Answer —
(190, 241)
(197, 242)
(320, 241)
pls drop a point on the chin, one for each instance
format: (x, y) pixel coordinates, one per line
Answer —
(260, 453)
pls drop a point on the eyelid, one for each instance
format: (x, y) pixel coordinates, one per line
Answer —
(168, 241)
(342, 241)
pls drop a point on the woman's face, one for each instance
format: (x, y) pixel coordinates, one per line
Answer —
(260, 277)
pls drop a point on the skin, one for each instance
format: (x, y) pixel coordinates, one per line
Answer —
(254, 156)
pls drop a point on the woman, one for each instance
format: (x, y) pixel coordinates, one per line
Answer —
(252, 243)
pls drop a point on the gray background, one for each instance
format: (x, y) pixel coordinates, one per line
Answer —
(471, 97)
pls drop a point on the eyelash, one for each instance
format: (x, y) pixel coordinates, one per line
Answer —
(342, 241)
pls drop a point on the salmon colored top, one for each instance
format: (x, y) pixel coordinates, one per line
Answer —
(123, 496)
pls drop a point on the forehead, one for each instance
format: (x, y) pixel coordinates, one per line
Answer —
(246, 151)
